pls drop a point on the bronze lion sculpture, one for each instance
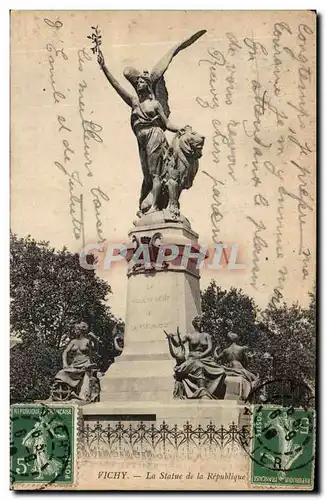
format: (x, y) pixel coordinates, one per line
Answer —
(180, 166)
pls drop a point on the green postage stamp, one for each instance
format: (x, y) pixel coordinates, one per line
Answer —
(42, 444)
(282, 450)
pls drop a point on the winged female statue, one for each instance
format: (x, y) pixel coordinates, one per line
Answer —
(149, 120)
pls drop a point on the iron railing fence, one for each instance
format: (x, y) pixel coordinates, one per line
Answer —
(150, 441)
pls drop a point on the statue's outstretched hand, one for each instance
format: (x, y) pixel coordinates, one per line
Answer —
(183, 129)
(100, 58)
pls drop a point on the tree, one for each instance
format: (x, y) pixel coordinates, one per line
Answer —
(291, 340)
(32, 370)
(311, 311)
(229, 310)
(50, 293)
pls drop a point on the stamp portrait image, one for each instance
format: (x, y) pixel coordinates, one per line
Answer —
(285, 435)
(42, 447)
(162, 250)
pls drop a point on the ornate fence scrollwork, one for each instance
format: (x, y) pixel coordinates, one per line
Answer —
(148, 441)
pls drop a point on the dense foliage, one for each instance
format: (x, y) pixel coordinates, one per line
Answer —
(32, 368)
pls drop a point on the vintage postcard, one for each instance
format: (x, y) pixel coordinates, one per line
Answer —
(163, 250)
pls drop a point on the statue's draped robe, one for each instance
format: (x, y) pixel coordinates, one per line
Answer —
(193, 373)
(75, 372)
(152, 142)
(237, 369)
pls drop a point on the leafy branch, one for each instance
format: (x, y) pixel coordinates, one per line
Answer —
(96, 38)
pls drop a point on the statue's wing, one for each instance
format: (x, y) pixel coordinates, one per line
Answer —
(159, 69)
(162, 95)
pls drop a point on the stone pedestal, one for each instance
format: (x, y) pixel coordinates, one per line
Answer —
(234, 388)
(159, 298)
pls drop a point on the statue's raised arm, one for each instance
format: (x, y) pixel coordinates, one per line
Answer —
(127, 98)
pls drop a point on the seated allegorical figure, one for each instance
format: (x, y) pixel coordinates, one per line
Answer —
(235, 362)
(77, 379)
(197, 375)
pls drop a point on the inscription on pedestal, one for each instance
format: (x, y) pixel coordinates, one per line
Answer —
(149, 300)
(150, 326)
(156, 302)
